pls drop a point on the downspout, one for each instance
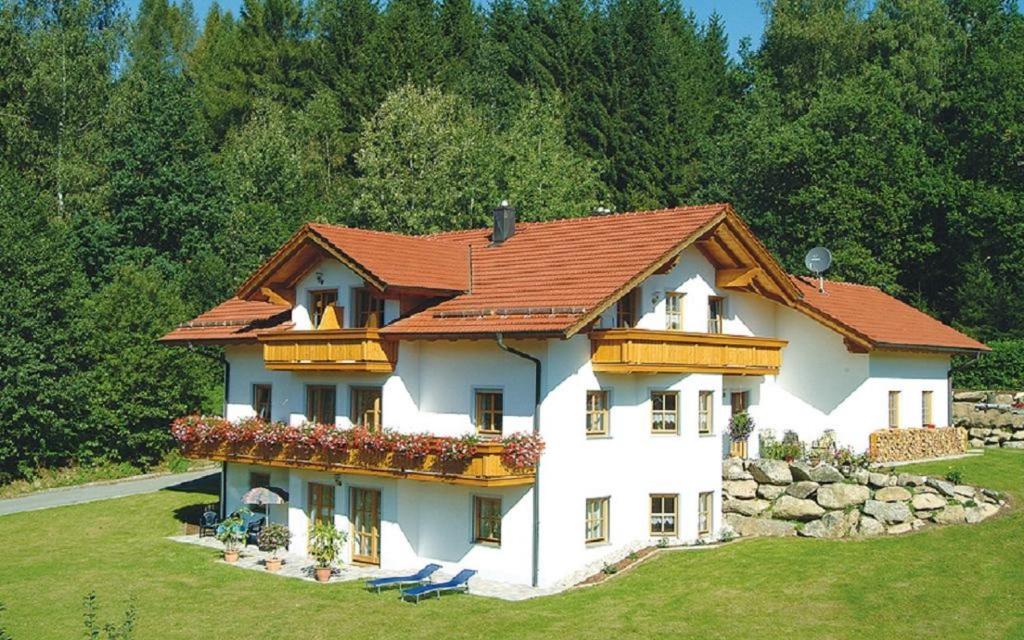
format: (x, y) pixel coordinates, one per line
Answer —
(219, 357)
(535, 559)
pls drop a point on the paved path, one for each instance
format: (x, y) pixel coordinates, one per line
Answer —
(104, 491)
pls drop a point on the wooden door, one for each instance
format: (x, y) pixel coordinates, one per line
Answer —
(366, 526)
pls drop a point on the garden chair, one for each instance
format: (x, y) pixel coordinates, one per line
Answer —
(208, 523)
(252, 534)
(458, 583)
(421, 576)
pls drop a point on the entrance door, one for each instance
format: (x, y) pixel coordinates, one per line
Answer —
(366, 526)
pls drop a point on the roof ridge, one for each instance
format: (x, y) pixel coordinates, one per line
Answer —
(379, 232)
(811, 280)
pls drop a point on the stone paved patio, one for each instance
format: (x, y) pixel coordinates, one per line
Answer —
(301, 567)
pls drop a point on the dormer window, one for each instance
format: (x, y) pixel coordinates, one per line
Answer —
(369, 308)
(716, 312)
(319, 301)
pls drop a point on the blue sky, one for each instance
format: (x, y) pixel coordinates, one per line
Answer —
(742, 17)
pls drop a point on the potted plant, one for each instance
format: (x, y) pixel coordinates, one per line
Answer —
(325, 547)
(741, 425)
(231, 533)
(273, 538)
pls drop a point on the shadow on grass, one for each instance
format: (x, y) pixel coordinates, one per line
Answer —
(190, 513)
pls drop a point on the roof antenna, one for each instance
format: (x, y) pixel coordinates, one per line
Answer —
(817, 261)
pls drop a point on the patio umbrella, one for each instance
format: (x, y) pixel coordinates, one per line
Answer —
(264, 497)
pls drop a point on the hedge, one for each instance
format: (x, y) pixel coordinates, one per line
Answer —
(1001, 368)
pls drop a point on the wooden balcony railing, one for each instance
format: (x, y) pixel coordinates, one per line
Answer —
(333, 350)
(484, 469)
(647, 351)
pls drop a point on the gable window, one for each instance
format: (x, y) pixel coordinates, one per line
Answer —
(663, 514)
(597, 520)
(489, 412)
(597, 413)
(894, 409)
(487, 519)
(319, 301)
(664, 411)
(261, 401)
(926, 408)
(705, 415)
(705, 502)
(716, 311)
(627, 310)
(369, 308)
(366, 407)
(258, 479)
(674, 311)
(320, 403)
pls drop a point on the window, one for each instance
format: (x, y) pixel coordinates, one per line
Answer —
(487, 519)
(739, 401)
(366, 407)
(626, 309)
(597, 413)
(320, 503)
(705, 415)
(716, 310)
(489, 408)
(674, 311)
(926, 408)
(597, 520)
(319, 301)
(663, 514)
(705, 506)
(258, 479)
(664, 411)
(369, 309)
(261, 401)
(320, 404)
(894, 409)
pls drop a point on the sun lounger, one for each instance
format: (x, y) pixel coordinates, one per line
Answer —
(421, 576)
(458, 583)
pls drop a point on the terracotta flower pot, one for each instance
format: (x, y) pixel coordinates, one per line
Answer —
(274, 564)
(231, 557)
(323, 574)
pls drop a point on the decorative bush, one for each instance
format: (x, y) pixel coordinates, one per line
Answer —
(522, 450)
(790, 448)
(231, 532)
(741, 425)
(325, 544)
(274, 537)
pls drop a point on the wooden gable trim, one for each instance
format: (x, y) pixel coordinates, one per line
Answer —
(653, 268)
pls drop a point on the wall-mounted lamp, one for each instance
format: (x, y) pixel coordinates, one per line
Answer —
(319, 277)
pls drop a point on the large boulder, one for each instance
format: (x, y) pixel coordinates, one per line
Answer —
(755, 527)
(770, 491)
(974, 515)
(802, 489)
(860, 476)
(732, 469)
(740, 488)
(790, 508)
(826, 473)
(745, 507)
(927, 501)
(1014, 444)
(888, 512)
(892, 494)
(834, 524)
(800, 470)
(771, 472)
(952, 514)
(969, 396)
(944, 487)
(881, 480)
(964, 490)
(870, 527)
(910, 480)
(1018, 435)
(842, 495)
(903, 527)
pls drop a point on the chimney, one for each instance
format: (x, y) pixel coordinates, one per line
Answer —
(504, 223)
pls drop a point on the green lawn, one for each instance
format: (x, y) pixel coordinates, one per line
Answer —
(956, 582)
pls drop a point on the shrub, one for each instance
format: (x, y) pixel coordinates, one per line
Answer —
(325, 544)
(741, 425)
(1001, 368)
(232, 531)
(955, 475)
(790, 448)
(609, 569)
(274, 537)
(125, 630)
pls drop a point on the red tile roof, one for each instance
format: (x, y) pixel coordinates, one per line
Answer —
(880, 318)
(402, 261)
(550, 275)
(233, 320)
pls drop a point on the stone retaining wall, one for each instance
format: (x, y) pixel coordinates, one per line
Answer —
(775, 498)
(992, 418)
(898, 445)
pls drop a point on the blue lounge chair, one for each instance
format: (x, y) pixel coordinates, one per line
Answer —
(458, 583)
(421, 576)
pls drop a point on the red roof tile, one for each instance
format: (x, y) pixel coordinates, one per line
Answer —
(882, 319)
(549, 275)
(231, 321)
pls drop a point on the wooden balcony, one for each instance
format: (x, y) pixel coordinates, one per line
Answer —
(484, 469)
(647, 351)
(333, 350)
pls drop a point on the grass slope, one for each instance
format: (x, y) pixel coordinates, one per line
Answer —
(954, 582)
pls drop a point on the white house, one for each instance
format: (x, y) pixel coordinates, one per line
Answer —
(625, 340)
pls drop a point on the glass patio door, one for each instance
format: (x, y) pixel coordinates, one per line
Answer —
(366, 526)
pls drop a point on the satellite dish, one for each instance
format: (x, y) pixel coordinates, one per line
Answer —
(817, 261)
